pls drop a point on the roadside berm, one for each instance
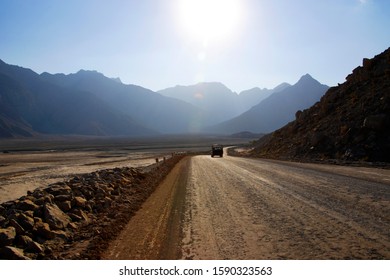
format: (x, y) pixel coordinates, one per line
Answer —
(76, 219)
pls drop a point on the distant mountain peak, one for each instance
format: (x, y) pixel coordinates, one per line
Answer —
(118, 80)
(281, 87)
(306, 77)
(89, 73)
(306, 80)
(82, 71)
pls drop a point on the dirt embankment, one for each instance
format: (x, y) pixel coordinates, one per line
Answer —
(77, 219)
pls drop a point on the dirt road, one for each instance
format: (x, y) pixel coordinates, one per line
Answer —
(238, 208)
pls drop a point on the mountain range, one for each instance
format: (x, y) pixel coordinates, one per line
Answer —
(220, 102)
(276, 110)
(154, 111)
(30, 106)
(89, 103)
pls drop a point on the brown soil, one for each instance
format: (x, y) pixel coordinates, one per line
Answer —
(154, 232)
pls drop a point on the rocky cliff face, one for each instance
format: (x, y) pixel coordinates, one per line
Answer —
(351, 121)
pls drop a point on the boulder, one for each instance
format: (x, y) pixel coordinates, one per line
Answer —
(25, 221)
(43, 230)
(34, 247)
(55, 217)
(12, 253)
(19, 229)
(59, 189)
(79, 201)
(7, 236)
(48, 198)
(63, 197)
(64, 205)
(23, 241)
(27, 205)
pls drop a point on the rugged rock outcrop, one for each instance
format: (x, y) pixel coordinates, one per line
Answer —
(351, 122)
(77, 218)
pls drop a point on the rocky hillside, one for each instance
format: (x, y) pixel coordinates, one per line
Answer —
(351, 121)
(76, 219)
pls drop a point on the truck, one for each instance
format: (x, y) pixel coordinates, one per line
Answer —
(216, 150)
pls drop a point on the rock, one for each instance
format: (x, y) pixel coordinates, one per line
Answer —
(59, 189)
(79, 201)
(30, 213)
(48, 198)
(87, 192)
(55, 217)
(85, 217)
(26, 222)
(80, 215)
(2, 221)
(63, 197)
(72, 226)
(23, 240)
(34, 247)
(74, 217)
(12, 253)
(19, 229)
(7, 236)
(64, 205)
(61, 234)
(43, 229)
(27, 205)
(8, 205)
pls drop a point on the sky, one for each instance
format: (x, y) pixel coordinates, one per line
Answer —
(158, 44)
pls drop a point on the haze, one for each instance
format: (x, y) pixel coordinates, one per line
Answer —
(159, 44)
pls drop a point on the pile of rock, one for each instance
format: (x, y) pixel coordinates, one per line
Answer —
(47, 219)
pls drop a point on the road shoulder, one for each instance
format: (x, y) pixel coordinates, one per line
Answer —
(155, 230)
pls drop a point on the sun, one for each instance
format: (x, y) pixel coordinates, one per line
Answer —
(209, 20)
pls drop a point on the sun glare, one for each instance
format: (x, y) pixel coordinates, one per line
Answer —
(209, 20)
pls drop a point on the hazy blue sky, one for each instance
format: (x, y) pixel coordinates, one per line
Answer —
(158, 44)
